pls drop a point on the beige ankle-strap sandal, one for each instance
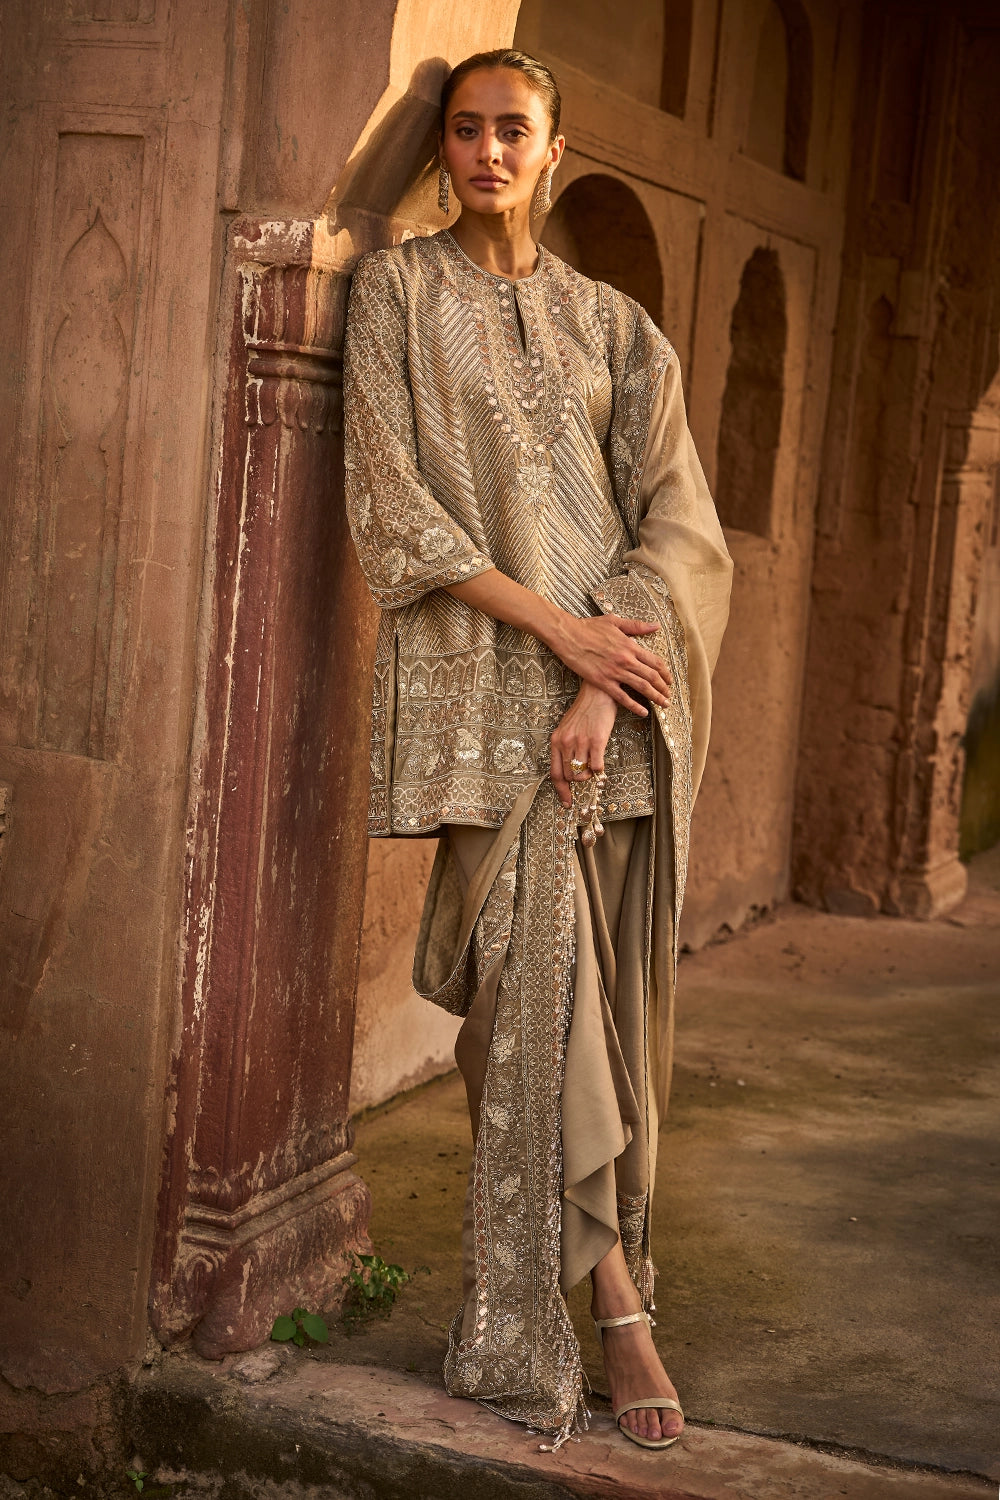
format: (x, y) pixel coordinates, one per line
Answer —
(659, 1403)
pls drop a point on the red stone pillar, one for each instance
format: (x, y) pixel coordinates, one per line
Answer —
(260, 1207)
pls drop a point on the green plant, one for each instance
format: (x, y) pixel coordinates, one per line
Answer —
(138, 1477)
(372, 1288)
(299, 1328)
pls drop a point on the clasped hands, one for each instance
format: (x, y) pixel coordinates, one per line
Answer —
(607, 654)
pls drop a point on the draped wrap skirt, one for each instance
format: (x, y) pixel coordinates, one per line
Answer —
(560, 959)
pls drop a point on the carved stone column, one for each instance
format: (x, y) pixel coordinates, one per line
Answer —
(260, 1207)
(932, 878)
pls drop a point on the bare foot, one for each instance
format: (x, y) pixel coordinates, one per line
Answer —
(632, 1364)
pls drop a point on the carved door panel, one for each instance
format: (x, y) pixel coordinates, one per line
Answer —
(108, 187)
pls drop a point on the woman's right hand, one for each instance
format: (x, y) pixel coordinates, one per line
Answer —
(607, 651)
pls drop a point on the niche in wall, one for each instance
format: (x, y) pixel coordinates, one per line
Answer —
(676, 56)
(750, 427)
(599, 226)
(642, 48)
(781, 101)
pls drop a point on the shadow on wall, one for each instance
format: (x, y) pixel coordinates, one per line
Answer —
(979, 815)
(599, 226)
(394, 174)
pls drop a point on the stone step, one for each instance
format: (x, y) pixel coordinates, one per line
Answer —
(280, 1427)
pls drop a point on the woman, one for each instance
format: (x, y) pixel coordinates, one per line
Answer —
(532, 517)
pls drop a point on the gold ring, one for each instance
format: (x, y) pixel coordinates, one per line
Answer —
(577, 766)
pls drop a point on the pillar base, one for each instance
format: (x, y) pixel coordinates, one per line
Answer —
(237, 1271)
(927, 894)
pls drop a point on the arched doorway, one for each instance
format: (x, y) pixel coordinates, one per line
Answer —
(599, 226)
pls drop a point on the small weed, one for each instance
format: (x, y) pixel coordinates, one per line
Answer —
(140, 1478)
(372, 1288)
(300, 1328)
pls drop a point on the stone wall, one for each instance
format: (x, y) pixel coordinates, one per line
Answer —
(109, 287)
(399, 1039)
(908, 475)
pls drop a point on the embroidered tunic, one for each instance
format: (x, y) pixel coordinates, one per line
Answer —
(538, 427)
(491, 423)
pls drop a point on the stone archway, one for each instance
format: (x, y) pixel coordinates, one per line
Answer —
(752, 404)
(599, 225)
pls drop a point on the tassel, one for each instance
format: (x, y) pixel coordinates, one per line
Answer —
(578, 1421)
(646, 1278)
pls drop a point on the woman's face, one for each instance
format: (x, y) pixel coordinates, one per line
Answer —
(496, 140)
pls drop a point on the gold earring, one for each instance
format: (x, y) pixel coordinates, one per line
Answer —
(541, 200)
(444, 185)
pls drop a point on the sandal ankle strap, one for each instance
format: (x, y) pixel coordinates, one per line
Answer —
(637, 1317)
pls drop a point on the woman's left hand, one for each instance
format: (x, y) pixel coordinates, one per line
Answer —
(581, 734)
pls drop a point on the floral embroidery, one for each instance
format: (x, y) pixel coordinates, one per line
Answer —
(535, 481)
(521, 1324)
(435, 542)
(508, 755)
(468, 748)
(395, 564)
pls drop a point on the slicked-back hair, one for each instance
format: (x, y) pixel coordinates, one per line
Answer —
(536, 74)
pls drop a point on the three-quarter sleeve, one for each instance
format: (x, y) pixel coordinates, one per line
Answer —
(407, 542)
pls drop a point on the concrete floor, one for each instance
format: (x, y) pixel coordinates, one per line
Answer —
(828, 1194)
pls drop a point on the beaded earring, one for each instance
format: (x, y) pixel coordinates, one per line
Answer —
(541, 201)
(444, 185)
